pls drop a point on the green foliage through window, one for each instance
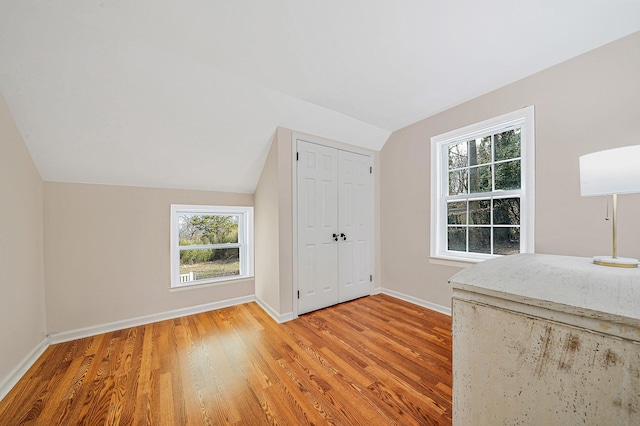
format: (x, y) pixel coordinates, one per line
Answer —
(484, 165)
(203, 230)
(208, 229)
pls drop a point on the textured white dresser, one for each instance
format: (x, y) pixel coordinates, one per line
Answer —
(546, 340)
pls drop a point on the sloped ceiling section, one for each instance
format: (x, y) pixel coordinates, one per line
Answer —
(188, 94)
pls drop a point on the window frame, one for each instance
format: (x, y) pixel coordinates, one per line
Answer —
(244, 244)
(523, 118)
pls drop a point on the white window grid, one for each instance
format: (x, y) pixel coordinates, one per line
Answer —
(440, 197)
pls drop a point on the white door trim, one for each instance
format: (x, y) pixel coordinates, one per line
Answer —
(294, 203)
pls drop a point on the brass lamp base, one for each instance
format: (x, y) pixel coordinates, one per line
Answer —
(618, 262)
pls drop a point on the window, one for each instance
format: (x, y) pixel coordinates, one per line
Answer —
(210, 244)
(482, 193)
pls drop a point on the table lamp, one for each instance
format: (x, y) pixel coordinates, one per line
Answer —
(611, 172)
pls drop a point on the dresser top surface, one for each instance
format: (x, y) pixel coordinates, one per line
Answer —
(561, 283)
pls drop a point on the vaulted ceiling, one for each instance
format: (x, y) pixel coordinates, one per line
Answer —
(188, 94)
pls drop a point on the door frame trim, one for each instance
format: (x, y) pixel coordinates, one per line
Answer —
(295, 137)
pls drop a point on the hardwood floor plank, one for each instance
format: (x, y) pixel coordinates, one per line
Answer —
(375, 360)
(141, 407)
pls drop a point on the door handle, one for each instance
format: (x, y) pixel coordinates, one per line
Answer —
(335, 237)
(344, 237)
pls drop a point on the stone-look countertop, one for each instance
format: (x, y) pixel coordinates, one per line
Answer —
(571, 285)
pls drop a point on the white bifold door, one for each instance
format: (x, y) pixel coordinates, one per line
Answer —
(334, 211)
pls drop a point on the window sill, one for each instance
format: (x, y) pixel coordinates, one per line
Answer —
(211, 283)
(454, 261)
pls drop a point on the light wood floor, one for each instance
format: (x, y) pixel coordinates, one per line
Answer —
(372, 361)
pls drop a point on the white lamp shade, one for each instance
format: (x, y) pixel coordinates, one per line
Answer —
(614, 171)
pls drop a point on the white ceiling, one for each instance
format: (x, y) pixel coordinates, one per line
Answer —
(188, 94)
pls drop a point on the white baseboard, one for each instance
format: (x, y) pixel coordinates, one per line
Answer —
(12, 378)
(279, 318)
(80, 333)
(434, 307)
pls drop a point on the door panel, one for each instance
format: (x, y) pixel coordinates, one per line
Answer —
(355, 222)
(317, 222)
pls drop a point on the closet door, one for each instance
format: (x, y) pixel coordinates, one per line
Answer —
(355, 208)
(317, 181)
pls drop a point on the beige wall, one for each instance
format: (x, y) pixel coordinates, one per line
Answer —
(107, 254)
(586, 104)
(285, 218)
(274, 227)
(267, 232)
(285, 214)
(22, 308)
